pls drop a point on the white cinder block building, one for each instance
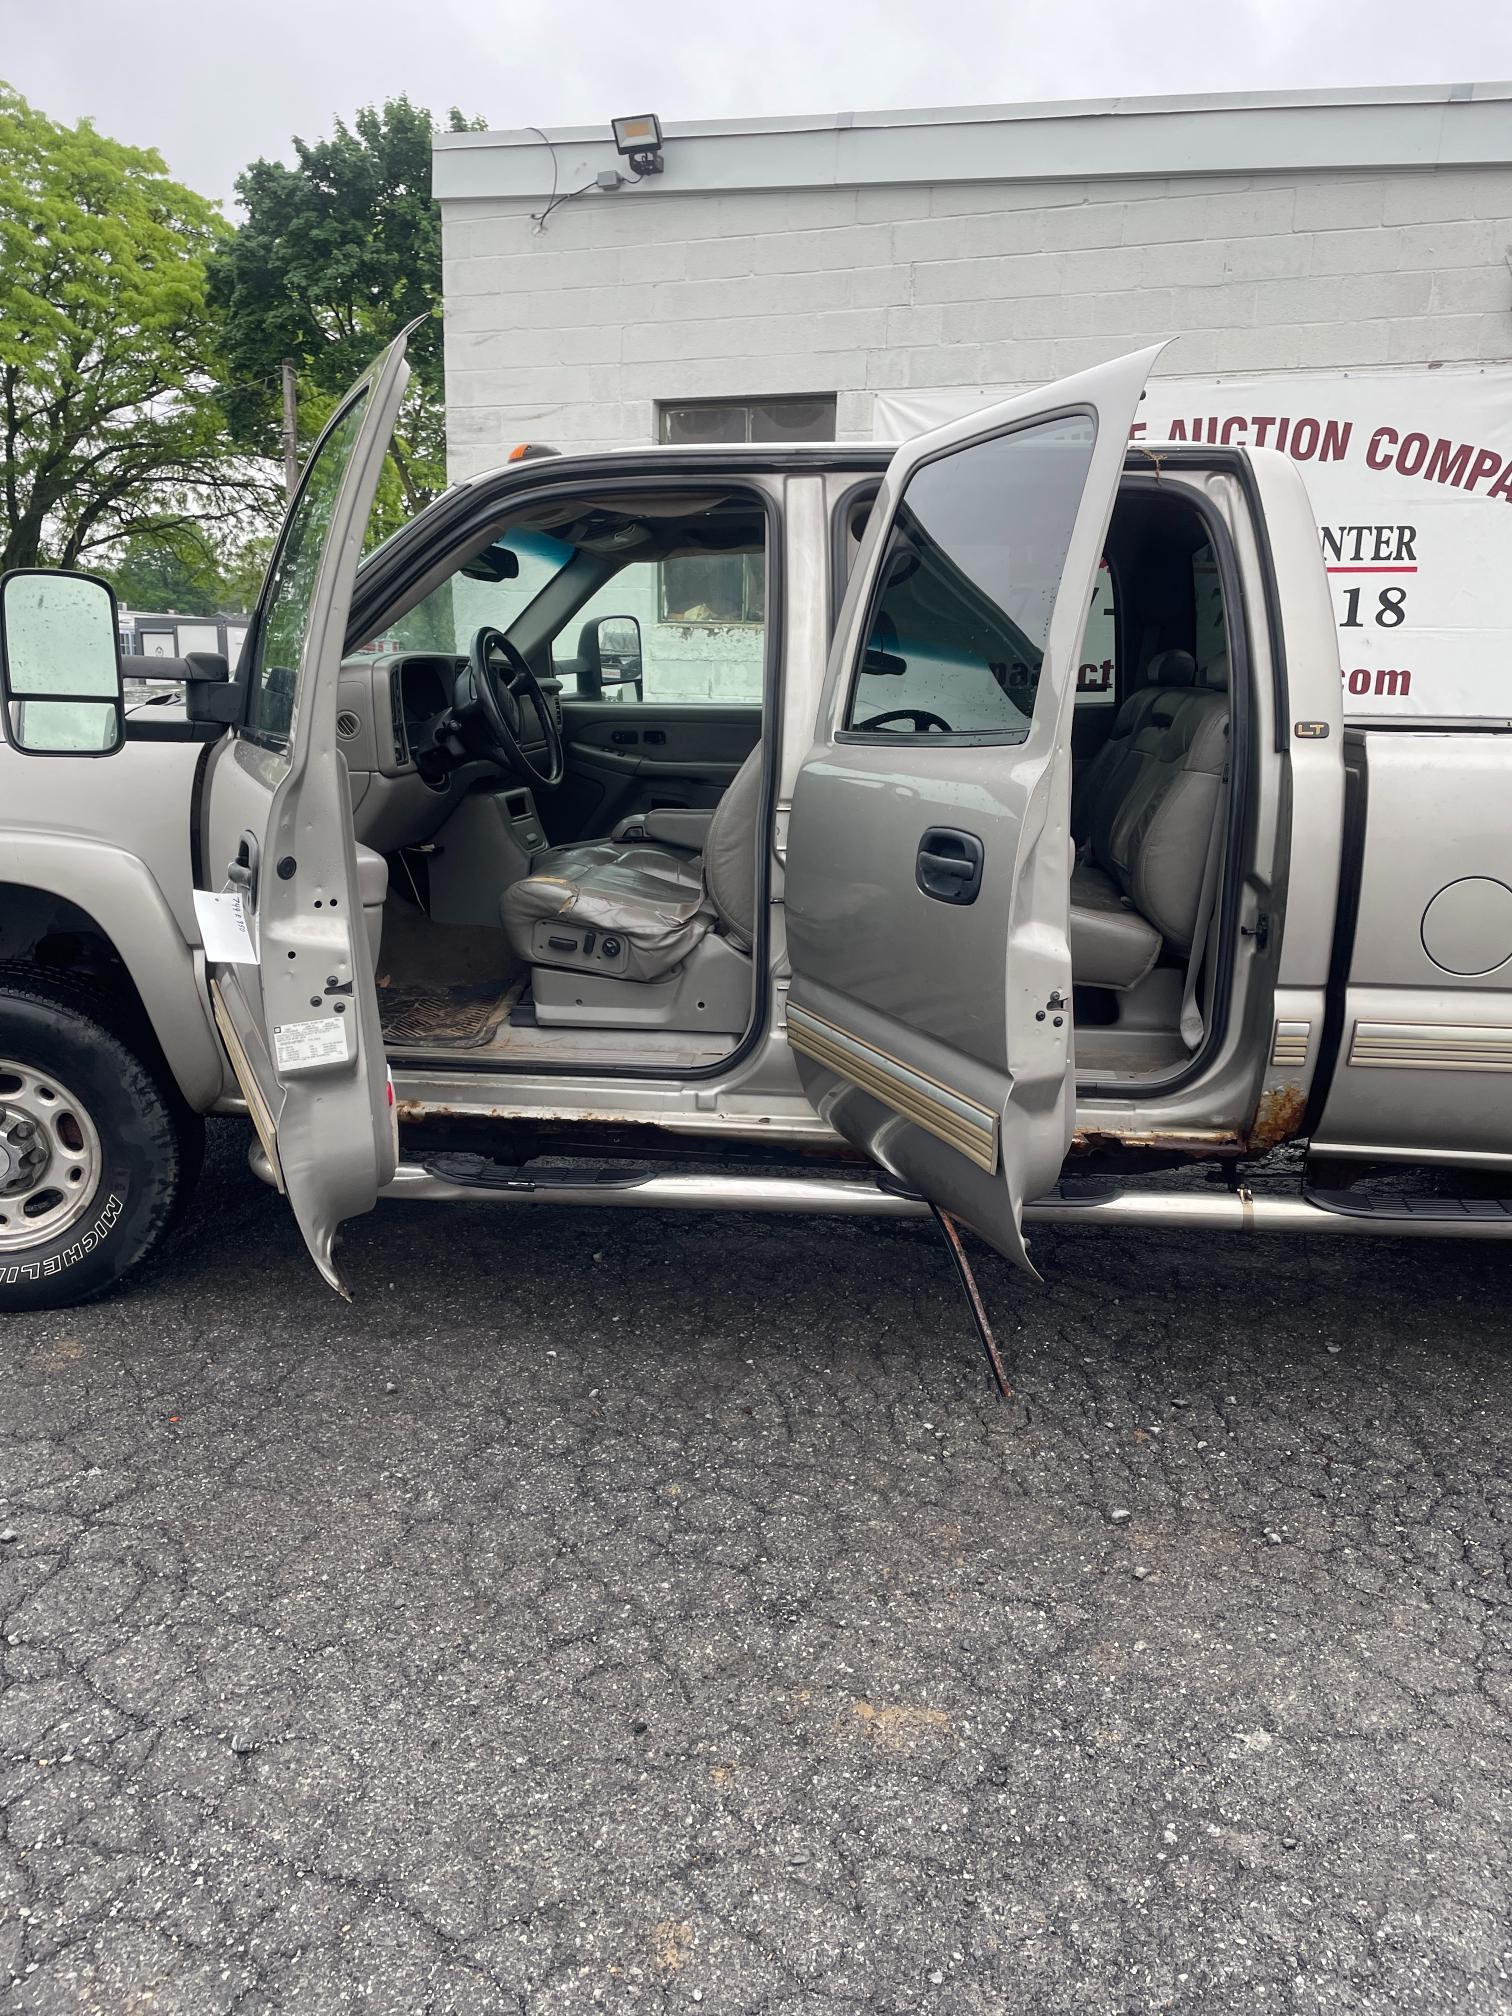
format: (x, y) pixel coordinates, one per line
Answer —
(1335, 269)
(790, 270)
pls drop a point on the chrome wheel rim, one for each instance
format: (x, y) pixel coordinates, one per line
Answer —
(50, 1156)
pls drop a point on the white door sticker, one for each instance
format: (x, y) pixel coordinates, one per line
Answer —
(307, 1046)
(224, 929)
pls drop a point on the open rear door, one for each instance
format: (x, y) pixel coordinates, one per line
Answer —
(929, 851)
(296, 1003)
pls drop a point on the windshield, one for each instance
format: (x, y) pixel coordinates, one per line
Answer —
(524, 563)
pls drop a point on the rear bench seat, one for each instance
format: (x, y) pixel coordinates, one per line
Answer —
(1145, 818)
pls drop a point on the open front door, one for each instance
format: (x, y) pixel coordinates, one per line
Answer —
(929, 851)
(297, 1006)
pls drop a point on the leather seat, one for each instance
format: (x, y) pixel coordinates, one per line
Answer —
(1103, 782)
(1147, 816)
(658, 902)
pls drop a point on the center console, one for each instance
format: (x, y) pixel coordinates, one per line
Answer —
(486, 844)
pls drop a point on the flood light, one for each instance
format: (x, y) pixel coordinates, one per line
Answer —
(640, 137)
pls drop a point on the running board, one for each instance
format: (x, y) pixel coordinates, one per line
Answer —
(451, 1179)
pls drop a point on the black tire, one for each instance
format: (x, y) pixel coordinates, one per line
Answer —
(150, 1144)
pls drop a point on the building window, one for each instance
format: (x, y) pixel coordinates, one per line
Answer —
(731, 588)
(692, 423)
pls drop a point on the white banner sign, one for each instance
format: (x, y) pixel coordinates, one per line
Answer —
(1410, 475)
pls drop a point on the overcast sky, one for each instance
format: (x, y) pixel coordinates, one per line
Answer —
(215, 83)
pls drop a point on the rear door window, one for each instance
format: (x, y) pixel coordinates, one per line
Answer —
(1097, 668)
(960, 616)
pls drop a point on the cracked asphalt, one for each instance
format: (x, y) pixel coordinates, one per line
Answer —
(689, 1626)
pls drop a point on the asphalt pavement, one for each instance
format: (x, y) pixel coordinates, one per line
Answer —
(617, 1611)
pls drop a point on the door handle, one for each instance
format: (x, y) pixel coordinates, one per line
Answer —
(949, 865)
(242, 872)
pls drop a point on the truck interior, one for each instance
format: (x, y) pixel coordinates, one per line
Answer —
(583, 891)
(612, 913)
(1150, 799)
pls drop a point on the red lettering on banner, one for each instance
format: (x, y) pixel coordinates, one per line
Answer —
(1336, 435)
(1389, 683)
(1502, 487)
(1377, 440)
(1444, 467)
(1305, 440)
(1229, 427)
(1486, 462)
(1415, 447)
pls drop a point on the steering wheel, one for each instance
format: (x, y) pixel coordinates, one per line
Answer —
(921, 718)
(489, 708)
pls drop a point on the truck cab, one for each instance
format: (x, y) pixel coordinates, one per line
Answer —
(970, 827)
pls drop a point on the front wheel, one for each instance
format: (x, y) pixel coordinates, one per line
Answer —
(97, 1154)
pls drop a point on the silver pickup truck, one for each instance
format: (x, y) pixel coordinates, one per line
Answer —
(754, 828)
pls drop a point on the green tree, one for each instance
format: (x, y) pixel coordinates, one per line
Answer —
(163, 573)
(335, 256)
(111, 430)
(188, 571)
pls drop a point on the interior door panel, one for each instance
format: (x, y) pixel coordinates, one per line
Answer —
(628, 757)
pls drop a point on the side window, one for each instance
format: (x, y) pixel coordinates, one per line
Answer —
(1097, 665)
(956, 634)
(648, 652)
(291, 585)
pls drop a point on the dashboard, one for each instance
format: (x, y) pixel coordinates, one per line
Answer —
(404, 785)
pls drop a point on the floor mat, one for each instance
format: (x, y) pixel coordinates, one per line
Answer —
(458, 1018)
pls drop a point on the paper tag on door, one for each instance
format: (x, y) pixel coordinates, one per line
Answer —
(306, 1046)
(224, 930)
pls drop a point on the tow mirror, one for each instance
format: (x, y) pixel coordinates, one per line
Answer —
(609, 654)
(60, 663)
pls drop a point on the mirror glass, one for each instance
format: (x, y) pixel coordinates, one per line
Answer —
(62, 663)
(619, 638)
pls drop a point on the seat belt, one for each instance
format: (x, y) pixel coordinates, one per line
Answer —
(1191, 1015)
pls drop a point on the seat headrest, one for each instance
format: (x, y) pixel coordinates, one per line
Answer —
(1172, 668)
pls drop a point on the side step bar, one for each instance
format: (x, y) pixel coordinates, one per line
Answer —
(449, 1179)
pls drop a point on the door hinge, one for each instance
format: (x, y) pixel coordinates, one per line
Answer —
(1259, 931)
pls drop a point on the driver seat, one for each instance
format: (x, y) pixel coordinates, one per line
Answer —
(629, 911)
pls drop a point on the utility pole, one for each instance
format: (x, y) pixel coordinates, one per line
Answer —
(290, 428)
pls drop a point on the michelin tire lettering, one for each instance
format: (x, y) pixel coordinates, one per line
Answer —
(37, 1270)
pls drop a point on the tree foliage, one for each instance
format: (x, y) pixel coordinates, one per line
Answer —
(111, 430)
(335, 256)
(188, 572)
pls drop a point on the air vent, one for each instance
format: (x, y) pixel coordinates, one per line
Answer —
(347, 726)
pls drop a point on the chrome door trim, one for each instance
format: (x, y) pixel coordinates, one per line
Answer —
(964, 1125)
(1432, 1046)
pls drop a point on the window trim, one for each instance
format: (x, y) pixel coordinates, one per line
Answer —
(982, 738)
